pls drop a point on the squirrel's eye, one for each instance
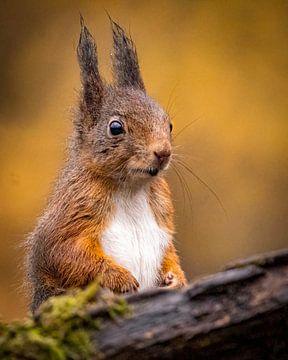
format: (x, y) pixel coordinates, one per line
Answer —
(171, 127)
(116, 128)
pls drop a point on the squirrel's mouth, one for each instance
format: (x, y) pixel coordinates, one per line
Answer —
(152, 171)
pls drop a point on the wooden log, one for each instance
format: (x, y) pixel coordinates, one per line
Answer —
(240, 313)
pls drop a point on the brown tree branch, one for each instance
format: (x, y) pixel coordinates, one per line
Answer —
(240, 313)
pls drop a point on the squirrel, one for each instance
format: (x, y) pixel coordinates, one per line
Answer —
(110, 216)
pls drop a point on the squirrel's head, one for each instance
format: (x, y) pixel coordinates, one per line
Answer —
(120, 130)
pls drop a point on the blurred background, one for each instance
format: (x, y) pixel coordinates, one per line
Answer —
(222, 65)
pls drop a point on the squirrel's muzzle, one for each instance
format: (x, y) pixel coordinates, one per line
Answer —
(161, 158)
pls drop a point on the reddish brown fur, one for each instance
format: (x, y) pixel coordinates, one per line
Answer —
(64, 250)
(162, 207)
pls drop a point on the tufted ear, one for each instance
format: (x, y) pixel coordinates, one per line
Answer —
(90, 77)
(126, 70)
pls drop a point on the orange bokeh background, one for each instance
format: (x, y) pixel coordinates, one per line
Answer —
(222, 63)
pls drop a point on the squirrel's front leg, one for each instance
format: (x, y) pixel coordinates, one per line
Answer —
(171, 274)
(84, 261)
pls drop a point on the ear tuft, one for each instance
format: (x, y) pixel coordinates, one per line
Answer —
(86, 52)
(90, 77)
(125, 64)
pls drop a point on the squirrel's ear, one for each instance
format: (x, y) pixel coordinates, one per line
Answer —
(90, 77)
(126, 70)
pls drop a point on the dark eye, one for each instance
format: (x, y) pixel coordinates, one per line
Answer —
(116, 128)
(171, 127)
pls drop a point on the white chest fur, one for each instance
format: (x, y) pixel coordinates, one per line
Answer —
(134, 239)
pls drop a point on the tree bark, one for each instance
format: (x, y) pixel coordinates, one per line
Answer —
(240, 313)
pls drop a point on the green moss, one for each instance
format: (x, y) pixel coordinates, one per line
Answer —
(62, 328)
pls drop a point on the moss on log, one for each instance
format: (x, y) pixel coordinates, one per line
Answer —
(62, 327)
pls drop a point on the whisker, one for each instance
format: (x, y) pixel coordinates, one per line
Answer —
(202, 182)
(185, 127)
(168, 107)
(185, 156)
(185, 188)
(188, 190)
(181, 182)
(177, 146)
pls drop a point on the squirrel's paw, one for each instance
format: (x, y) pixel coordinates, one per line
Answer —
(126, 284)
(122, 281)
(171, 281)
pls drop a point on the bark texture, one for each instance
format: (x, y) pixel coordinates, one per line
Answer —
(240, 313)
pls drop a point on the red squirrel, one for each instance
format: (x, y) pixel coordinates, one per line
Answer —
(110, 216)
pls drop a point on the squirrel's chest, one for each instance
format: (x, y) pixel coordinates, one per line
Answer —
(134, 239)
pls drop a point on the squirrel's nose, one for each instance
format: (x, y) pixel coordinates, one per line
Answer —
(162, 156)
